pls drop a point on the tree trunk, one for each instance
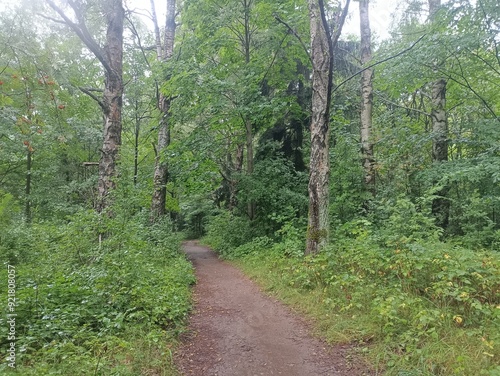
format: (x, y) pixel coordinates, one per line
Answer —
(112, 102)
(440, 205)
(248, 124)
(439, 119)
(137, 132)
(27, 204)
(233, 168)
(111, 58)
(366, 98)
(250, 165)
(319, 174)
(160, 177)
(159, 198)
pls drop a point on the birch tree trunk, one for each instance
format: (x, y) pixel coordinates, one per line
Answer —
(439, 119)
(319, 174)
(366, 98)
(160, 178)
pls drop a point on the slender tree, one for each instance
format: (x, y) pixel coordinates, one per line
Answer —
(246, 39)
(439, 119)
(111, 57)
(366, 97)
(164, 53)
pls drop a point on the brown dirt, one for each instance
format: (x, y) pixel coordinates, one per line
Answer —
(235, 330)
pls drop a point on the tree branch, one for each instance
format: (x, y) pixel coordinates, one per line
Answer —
(332, 43)
(468, 86)
(484, 61)
(52, 19)
(89, 91)
(273, 60)
(338, 32)
(134, 31)
(403, 107)
(81, 30)
(277, 18)
(379, 62)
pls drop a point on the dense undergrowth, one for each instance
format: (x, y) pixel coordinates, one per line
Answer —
(95, 295)
(412, 304)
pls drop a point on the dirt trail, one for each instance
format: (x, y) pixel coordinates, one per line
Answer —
(235, 330)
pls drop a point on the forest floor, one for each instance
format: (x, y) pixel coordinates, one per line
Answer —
(236, 330)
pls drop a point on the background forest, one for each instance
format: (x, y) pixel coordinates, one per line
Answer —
(121, 134)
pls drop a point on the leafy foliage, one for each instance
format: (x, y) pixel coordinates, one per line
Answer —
(89, 284)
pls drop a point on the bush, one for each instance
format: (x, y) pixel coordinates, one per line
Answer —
(279, 192)
(88, 285)
(226, 231)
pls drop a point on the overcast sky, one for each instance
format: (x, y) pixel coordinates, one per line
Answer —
(380, 18)
(380, 15)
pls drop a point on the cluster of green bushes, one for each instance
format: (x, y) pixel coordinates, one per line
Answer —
(98, 294)
(414, 304)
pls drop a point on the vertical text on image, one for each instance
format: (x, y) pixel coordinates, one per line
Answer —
(11, 315)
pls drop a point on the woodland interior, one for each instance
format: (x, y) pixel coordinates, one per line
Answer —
(355, 177)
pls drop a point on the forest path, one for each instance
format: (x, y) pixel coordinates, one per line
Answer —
(235, 330)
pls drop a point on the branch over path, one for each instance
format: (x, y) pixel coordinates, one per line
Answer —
(235, 330)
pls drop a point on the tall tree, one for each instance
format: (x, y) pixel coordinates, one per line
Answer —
(322, 47)
(366, 97)
(440, 205)
(110, 55)
(164, 53)
(245, 39)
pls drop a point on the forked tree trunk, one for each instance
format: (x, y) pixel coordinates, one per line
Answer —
(366, 98)
(322, 47)
(160, 179)
(319, 174)
(439, 119)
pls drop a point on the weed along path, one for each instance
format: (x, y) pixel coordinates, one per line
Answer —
(235, 330)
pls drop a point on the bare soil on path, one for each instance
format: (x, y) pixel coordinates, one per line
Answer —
(236, 330)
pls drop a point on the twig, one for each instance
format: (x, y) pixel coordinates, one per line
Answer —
(379, 62)
(277, 18)
(92, 95)
(338, 32)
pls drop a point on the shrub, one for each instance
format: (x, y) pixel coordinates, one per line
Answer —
(88, 284)
(226, 231)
